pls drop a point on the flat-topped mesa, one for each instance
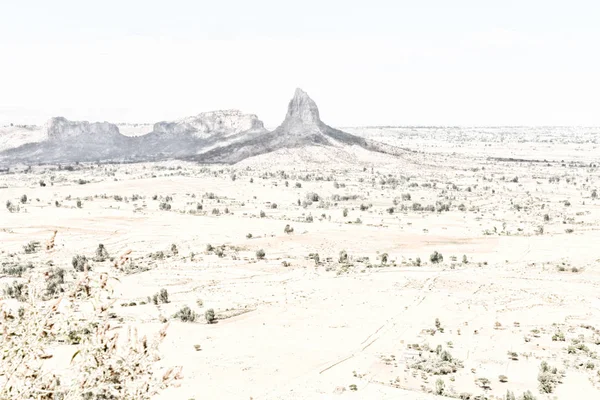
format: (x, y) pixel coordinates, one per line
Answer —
(222, 122)
(61, 129)
(302, 109)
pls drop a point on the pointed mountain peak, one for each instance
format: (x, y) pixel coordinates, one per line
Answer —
(303, 108)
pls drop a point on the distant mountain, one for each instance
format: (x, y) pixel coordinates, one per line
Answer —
(227, 136)
(302, 126)
(71, 141)
(62, 140)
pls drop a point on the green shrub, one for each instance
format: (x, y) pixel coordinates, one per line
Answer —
(185, 314)
(436, 257)
(16, 290)
(343, 258)
(210, 316)
(32, 247)
(101, 254)
(80, 263)
(55, 278)
(163, 296)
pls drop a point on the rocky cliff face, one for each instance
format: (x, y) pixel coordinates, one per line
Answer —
(189, 136)
(61, 129)
(222, 123)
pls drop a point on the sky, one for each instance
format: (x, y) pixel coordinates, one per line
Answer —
(398, 62)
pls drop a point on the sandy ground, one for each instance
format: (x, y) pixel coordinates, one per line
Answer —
(310, 331)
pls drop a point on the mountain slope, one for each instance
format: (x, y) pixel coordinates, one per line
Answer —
(302, 126)
(188, 136)
(17, 135)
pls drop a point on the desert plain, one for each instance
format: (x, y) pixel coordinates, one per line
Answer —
(468, 267)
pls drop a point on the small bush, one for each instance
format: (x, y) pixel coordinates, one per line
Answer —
(15, 270)
(315, 257)
(436, 257)
(32, 247)
(439, 387)
(163, 296)
(314, 197)
(548, 378)
(185, 314)
(101, 254)
(527, 396)
(13, 208)
(16, 290)
(80, 263)
(260, 254)
(55, 278)
(210, 316)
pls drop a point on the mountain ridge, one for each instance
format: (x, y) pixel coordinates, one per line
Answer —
(221, 136)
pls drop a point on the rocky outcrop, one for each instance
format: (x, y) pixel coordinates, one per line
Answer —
(302, 126)
(189, 136)
(214, 123)
(61, 129)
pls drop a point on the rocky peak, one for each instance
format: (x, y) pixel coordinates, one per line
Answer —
(303, 109)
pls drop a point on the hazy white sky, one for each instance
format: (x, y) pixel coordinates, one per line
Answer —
(419, 62)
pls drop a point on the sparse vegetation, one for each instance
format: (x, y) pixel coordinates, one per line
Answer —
(209, 315)
(185, 314)
(436, 257)
(80, 263)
